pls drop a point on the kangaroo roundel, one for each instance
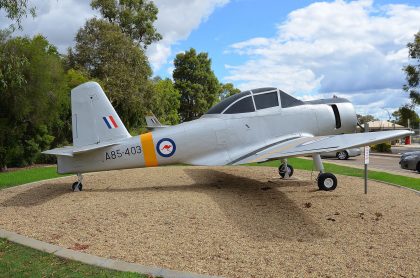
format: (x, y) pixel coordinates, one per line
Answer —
(166, 147)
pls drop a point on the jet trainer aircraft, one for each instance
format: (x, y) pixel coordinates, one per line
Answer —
(252, 126)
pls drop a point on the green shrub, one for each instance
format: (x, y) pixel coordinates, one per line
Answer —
(382, 148)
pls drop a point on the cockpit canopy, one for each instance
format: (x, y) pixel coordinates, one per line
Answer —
(257, 99)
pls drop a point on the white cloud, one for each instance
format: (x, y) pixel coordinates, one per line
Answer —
(272, 72)
(176, 20)
(377, 102)
(59, 21)
(351, 48)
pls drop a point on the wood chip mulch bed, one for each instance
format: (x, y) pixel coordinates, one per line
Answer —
(227, 221)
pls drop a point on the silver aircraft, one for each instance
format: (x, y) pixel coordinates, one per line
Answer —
(252, 126)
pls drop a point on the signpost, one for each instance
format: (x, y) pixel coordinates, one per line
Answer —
(367, 148)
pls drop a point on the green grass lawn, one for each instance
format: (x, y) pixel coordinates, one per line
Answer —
(306, 164)
(20, 261)
(12, 178)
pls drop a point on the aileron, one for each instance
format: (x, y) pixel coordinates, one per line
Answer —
(319, 144)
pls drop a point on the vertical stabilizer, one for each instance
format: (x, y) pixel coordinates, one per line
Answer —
(94, 120)
(153, 122)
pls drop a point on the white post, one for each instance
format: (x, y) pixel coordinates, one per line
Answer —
(366, 158)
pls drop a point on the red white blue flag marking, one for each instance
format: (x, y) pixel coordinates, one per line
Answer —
(110, 122)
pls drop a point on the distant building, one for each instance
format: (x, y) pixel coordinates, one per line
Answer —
(383, 125)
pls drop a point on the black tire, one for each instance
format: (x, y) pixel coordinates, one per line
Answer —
(77, 185)
(327, 182)
(282, 171)
(418, 167)
(342, 155)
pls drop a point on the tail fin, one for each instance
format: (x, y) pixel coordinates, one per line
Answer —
(94, 120)
(153, 122)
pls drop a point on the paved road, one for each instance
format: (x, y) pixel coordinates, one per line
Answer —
(402, 149)
(381, 163)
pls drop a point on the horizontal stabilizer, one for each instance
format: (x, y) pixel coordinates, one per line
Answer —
(153, 122)
(71, 151)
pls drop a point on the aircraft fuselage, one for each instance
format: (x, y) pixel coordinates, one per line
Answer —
(217, 139)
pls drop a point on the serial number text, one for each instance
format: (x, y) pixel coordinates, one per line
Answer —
(123, 153)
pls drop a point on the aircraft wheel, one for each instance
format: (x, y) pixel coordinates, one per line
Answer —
(282, 171)
(342, 155)
(327, 181)
(77, 186)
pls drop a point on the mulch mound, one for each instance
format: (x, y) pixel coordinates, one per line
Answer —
(228, 221)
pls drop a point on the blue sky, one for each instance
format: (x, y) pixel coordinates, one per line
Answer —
(240, 20)
(310, 49)
(236, 21)
(376, 90)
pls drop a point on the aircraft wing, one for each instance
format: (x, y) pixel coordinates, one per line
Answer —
(305, 144)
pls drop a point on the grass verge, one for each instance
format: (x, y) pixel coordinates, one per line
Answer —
(9, 179)
(20, 261)
(305, 164)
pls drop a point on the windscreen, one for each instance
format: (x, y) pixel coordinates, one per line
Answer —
(267, 100)
(245, 105)
(221, 106)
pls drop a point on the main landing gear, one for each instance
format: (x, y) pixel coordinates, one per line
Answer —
(326, 181)
(78, 186)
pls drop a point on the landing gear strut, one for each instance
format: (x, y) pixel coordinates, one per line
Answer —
(78, 186)
(285, 170)
(326, 181)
